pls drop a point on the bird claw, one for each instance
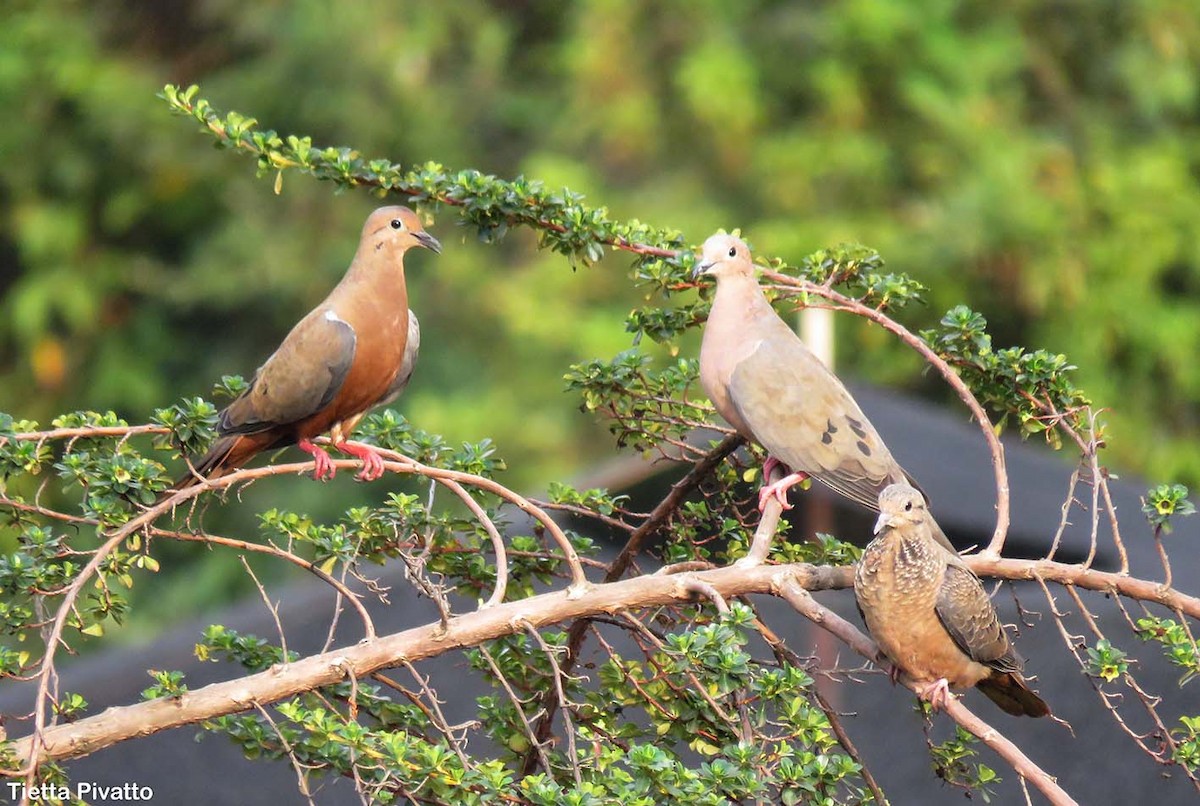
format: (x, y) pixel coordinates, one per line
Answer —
(372, 467)
(779, 489)
(372, 463)
(323, 468)
(936, 693)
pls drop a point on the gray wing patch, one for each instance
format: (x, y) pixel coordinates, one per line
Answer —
(803, 415)
(299, 379)
(967, 613)
(408, 363)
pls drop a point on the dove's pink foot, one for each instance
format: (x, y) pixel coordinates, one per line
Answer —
(936, 693)
(778, 489)
(324, 469)
(372, 462)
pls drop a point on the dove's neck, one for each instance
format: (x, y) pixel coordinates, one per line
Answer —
(733, 331)
(739, 311)
(381, 271)
(373, 294)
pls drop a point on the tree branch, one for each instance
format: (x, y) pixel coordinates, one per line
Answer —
(117, 724)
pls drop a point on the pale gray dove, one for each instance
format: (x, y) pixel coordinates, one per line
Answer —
(768, 385)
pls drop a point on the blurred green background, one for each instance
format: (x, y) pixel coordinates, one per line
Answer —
(1036, 160)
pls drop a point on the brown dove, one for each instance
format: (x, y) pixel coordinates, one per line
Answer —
(353, 351)
(929, 613)
(768, 385)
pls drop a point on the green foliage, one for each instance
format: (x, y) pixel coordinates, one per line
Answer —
(19, 457)
(70, 706)
(687, 688)
(1164, 502)
(1033, 388)
(822, 550)
(643, 405)
(595, 500)
(1187, 738)
(952, 763)
(1178, 646)
(192, 424)
(1106, 661)
(490, 205)
(253, 653)
(167, 684)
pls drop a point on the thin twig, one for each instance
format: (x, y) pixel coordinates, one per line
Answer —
(275, 551)
(563, 705)
(1064, 521)
(497, 541)
(399, 463)
(301, 778)
(520, 708)
(272, 608)
(438, 718)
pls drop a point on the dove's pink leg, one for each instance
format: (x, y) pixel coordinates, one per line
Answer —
(324, 468)
(372, 462)
(778, 489)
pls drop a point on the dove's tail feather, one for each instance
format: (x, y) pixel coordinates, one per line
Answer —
(228, 453)
(1009, 692)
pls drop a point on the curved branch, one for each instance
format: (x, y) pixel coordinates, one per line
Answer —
(275, 551)
(88, 431)
(397, 463)
(1143, 590)
(497, 541)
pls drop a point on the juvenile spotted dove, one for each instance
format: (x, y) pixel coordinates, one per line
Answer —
(929, 613)
(768, 385)
(354, 351)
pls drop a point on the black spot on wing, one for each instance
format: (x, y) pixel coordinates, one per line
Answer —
(857, 427)
(862, 447)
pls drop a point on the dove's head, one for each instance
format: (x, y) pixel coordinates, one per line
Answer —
(724, 255)
(396, 229)
(900, 505)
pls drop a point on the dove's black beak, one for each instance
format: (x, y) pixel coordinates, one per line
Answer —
(428, 241)
(700, 269)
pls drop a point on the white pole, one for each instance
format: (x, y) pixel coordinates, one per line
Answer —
(816, 329)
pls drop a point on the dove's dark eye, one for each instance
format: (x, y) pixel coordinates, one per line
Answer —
(397, 224)
(908, 506)
(733, 251)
